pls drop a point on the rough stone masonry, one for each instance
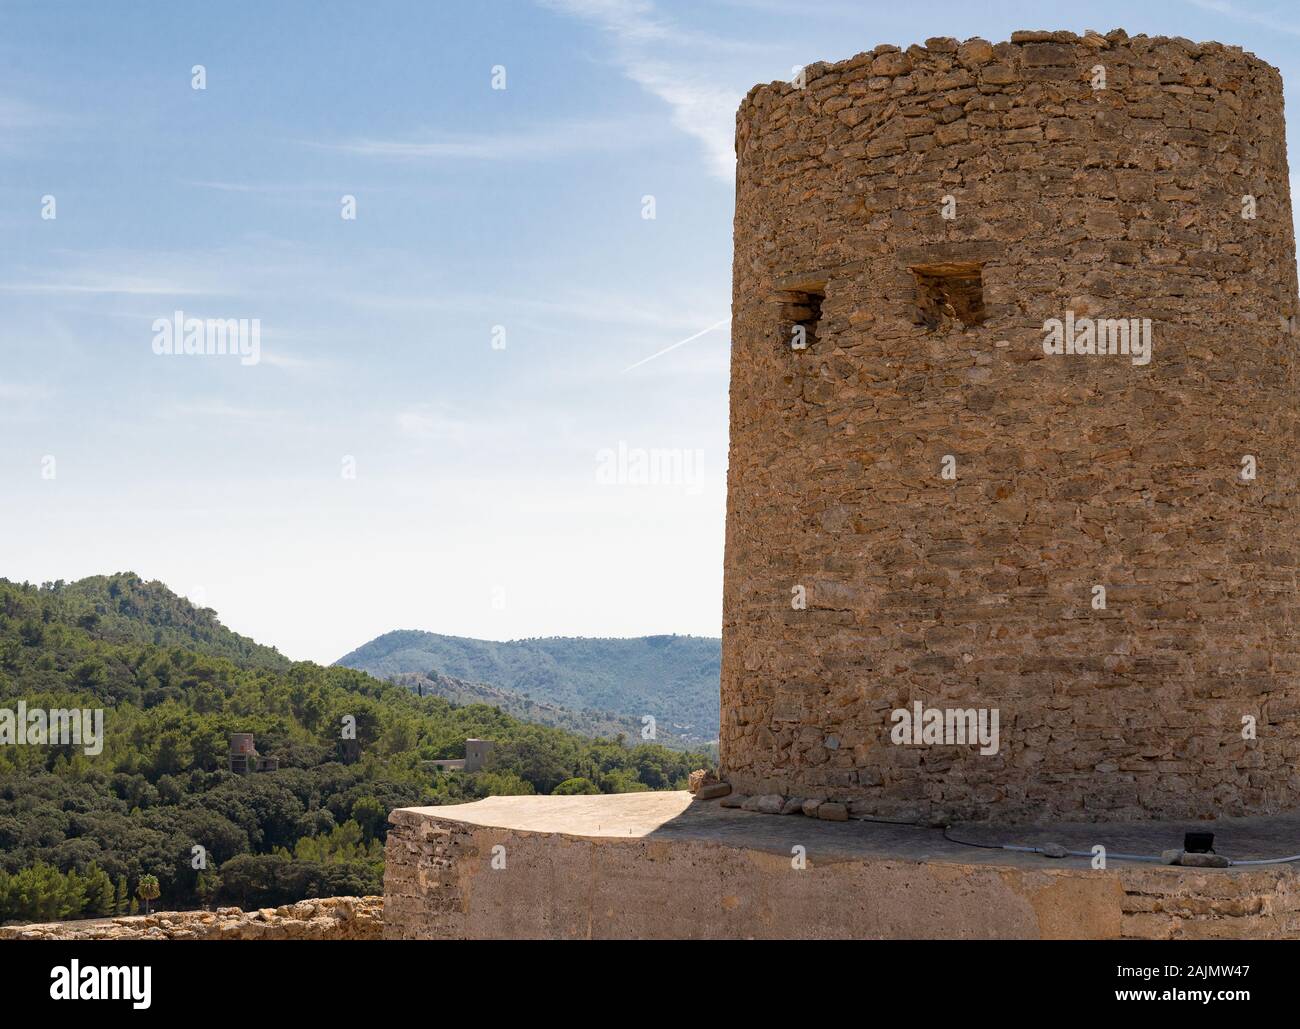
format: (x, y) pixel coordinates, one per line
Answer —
(330, 918)
(928, 485)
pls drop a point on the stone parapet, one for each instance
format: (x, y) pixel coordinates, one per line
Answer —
(657, 865)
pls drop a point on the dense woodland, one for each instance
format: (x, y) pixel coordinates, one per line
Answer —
(82, 835)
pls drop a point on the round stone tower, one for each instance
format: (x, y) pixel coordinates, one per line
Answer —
(1011, 523)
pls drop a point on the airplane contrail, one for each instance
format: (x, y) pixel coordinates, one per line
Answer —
(679, 343)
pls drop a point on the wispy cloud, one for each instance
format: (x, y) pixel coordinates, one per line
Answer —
(637, 22)
(13, 392)
(1229, 10)
(106, 285)
(565, 310)
(270, 188)
(648, 47)
(221, 410)
(17, 120)
(534, 143)
(700, 108)
(798, 8)
(16, 114)
(428, 422)
(279, 359)
(254, 268)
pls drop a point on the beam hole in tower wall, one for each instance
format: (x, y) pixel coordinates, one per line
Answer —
(800, 315)
(947, 294)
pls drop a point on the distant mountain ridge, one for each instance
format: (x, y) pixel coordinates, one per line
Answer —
(673, 678)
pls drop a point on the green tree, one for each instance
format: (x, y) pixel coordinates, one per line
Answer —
(99, 892)
(571, 787)
(147, 890)
(370, 815)
(209, 885)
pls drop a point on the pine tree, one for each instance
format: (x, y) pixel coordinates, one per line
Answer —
(99, 892)
(207, 888)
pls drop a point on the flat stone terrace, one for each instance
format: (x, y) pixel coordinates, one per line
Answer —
(676, 816)
(652, 865)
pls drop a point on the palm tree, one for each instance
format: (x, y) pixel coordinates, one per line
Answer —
(147, 890)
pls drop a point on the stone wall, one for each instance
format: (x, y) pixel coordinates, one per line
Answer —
(440, 883)
(331, 918)
(422, 895)
(925, 341)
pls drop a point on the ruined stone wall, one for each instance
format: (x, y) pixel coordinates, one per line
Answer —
(330, 918)
(1072, 471)
(425, 861)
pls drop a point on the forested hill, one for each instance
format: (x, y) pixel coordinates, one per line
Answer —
(673, 678)
(604, 724)
(124, 608)
(81, 833)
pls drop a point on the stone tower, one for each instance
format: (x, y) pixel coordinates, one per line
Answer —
(936, 498)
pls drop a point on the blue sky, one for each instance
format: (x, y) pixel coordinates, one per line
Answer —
(477, 506)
